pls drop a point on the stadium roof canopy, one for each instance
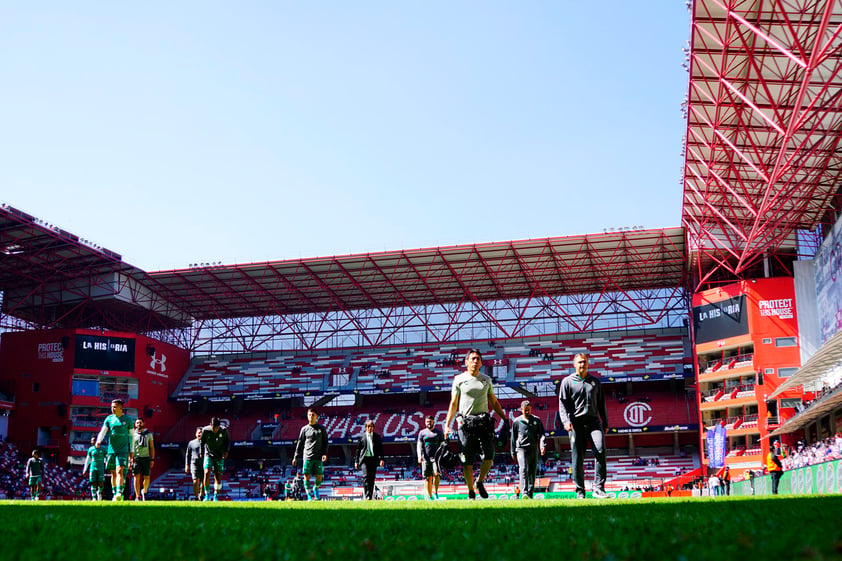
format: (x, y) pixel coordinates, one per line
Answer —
(621, 261)
(52, 278)
(764, 120)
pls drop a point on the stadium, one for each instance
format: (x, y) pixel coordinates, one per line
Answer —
(712, 339)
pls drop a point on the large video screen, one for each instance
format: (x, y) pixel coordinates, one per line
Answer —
(721, 320)
(828, 267)
(100, 352)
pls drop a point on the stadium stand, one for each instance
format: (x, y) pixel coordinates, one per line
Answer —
(426, 368)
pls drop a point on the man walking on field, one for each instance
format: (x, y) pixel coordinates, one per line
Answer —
(95, 466)
(429, 440)
(312, 448)
(528, 441)
(118, 428)
(581, 406)
(471, 395)
(193, 464)
(215, 444)
(143, 448)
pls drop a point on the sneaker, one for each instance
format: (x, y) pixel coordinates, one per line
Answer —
(580, 494)
(215, 497)
(471, 494)
(206, 499)
(482, 492)
(599, 494)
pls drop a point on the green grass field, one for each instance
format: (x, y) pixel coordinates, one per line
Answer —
(762, 528)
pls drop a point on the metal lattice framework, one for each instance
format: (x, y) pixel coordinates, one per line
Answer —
(764, 118)
(481, 291)
(50, 278)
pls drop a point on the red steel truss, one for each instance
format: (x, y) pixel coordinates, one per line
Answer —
(50, 278)
(481, 291)
(764, 118)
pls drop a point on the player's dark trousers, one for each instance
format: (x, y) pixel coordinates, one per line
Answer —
(527, 461)
(587, 431)
(776, 479)
(369, 468)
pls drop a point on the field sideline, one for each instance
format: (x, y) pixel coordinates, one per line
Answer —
(782, 527)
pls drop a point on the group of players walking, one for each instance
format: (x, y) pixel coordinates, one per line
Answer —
(581, 409)
(130, 446)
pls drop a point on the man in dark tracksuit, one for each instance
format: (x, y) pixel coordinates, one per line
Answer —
(581, 406)
(369, 456)
(527, 439)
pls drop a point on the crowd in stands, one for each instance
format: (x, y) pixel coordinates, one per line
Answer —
(822, 451)
(826, 390)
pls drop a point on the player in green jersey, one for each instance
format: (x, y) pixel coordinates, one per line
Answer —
(117, 427)
(95, 466)
(33, 473)
(215, 444)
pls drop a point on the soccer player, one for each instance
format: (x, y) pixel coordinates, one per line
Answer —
(429, 440)
(312, 448)
(527, 440)
(33, 473)
(215, 444)
(581, 407)
(143, 449)
(117, 427)
(193, 464)
(95, 466)
(471, 395)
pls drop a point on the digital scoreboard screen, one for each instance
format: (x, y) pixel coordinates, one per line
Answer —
(100, 352)
(720, 320)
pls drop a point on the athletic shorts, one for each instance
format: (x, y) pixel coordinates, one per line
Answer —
(142, 466)
(196, 471)
(214, 464)
(96, 476)
(313, 467)
(34, 480)
(429, 469)
(114, 459)
(477, 440)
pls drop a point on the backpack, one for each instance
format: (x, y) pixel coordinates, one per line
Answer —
(445, 458)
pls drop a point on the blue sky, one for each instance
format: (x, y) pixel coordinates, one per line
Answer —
(175, 133)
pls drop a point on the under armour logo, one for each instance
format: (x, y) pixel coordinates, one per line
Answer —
(162, 362)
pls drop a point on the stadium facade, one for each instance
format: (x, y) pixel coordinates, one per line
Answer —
(730, 320)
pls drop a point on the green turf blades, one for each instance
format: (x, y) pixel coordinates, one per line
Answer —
(730, 528)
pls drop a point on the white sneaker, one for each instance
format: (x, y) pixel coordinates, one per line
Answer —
(599, 494)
